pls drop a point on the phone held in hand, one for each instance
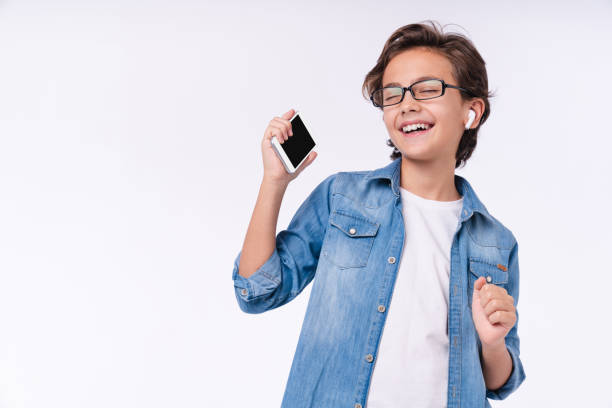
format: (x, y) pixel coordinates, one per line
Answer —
(297, 147)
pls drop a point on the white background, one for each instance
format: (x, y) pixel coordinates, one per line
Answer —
(130, 161)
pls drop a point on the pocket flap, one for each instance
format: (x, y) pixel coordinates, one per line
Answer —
(497, 272)
(354, 225)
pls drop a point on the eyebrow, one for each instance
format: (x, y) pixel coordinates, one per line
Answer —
(416, 80)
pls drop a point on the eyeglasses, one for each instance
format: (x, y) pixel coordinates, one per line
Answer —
(420, 90)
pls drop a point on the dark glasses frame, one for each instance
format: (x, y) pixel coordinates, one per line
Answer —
(409, 88)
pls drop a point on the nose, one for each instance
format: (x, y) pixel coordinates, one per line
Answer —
(409, 103)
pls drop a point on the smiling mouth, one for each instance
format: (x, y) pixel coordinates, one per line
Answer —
(417, 132)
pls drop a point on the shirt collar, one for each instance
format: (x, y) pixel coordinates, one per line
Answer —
(471, 202)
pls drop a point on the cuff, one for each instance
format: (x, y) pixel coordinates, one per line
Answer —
(517, 376)
(265, 279)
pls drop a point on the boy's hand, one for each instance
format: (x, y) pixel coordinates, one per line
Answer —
(493, 312)
(280, 127)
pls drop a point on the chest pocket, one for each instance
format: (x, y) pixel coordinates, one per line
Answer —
(492, 272)
(350, 239)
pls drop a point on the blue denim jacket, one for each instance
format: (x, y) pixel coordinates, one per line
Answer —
(347, 237)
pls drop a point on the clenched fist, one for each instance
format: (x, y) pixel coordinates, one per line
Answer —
(493, 312)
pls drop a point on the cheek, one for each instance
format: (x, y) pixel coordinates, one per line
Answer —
(450, 119)
(388, 124)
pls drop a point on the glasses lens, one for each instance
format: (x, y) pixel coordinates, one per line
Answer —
(427, 89)
(387, 96)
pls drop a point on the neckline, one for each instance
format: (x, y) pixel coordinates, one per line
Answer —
(433, 203)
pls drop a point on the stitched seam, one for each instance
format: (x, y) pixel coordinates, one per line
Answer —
(495, 271)
(365, 234)
(469, 229)
(360, 217)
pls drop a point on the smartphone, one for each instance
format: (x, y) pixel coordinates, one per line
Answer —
(296, 148)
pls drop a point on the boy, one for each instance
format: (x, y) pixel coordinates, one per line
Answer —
(408, 248)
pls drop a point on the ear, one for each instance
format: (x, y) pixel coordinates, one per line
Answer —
(478, 106)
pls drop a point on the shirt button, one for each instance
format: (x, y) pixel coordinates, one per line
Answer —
(357, 405)
(244, 291)
(369, 358)
(391, 259)
(488, 279)
(381, 308)
(352, 231)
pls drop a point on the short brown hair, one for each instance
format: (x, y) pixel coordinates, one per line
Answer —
(468, 70)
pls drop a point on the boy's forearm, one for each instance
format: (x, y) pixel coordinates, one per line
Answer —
(260, 239)
(497, 365)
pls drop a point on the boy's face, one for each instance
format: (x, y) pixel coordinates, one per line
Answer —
(448, 113)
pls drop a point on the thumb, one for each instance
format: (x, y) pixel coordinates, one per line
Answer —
(479, 283)
(308, 160)
(313, 155)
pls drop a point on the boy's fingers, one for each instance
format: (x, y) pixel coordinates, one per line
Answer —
(287, 115)
(491, 291)
(495, 305)
(505, 318)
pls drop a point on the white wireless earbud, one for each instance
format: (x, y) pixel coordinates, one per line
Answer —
(471, 115)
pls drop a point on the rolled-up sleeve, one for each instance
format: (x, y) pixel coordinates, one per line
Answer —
(517, 376)
(292, 265)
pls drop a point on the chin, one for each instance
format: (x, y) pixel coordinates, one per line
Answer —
(416, 151)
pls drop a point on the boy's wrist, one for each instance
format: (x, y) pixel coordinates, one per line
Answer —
(495, 347)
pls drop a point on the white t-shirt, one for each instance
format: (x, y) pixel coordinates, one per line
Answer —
(411, 367)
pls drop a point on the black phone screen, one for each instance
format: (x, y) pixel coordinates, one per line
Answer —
(299, 144)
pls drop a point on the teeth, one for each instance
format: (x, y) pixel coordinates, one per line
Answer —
(415, 126)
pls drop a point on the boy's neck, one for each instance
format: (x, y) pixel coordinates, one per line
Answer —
(432, 180)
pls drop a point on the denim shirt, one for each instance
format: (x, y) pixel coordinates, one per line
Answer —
(347, 237)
